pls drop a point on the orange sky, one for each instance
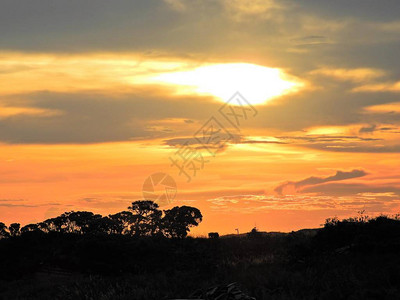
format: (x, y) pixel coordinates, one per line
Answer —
(93, 105)
(234, 190)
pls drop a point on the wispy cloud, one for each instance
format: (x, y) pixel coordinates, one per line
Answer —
(355, 75)
(311, 181)
(379, 87)
(250, 204)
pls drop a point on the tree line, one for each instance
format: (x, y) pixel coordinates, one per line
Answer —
(143, 218)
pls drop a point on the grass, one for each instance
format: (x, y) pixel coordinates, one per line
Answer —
(348, 259)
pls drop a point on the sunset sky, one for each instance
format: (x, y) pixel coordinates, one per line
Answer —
(95, 96)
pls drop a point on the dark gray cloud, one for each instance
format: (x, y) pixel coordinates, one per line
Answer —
(16, 205)
(348, 143)
(92, 25)
(312, 181)
(321, 33)
(331, 106)
(13, 203)
(95, 118)
(356, 148)
(362, 9)
(346, 189)
(368, 129)
(236, 139)
(329, 32)
(320, 138)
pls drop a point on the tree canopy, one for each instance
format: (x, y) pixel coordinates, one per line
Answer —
(143, 218)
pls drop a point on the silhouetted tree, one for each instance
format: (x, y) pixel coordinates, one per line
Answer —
(146, 218)
(178, 221)
(30, 227)
(80, 221)
(14, 229)
(103, 225)
(54, 224)
(3, 231)
(122, 222)
(143, 219)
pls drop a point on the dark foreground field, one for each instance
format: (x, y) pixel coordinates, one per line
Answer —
(353, 259)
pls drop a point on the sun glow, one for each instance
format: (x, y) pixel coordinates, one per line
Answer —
(256, 83)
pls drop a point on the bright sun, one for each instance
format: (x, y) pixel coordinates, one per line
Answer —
(256, 83)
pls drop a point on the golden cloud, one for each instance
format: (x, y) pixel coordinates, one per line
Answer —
(355, 75)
